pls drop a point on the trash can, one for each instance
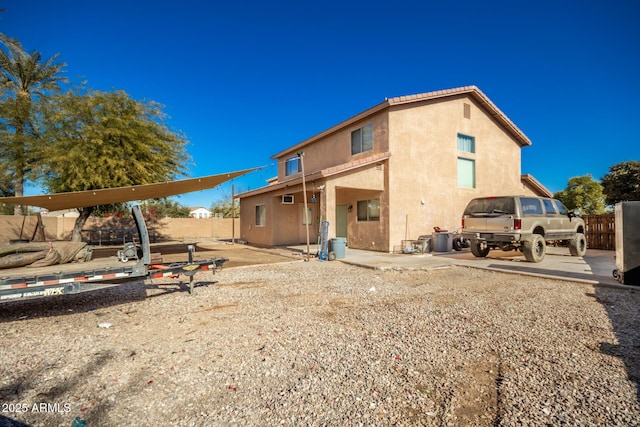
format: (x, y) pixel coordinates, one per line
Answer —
(442, 242)
(338, 246)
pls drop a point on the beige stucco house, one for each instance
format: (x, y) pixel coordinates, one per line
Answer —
(391, 173)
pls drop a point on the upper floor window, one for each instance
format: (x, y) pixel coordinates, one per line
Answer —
(292, 166)
(466, 173)
(362, 139)
(466, 143)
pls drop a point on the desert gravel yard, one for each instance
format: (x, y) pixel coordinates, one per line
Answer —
(323, 344)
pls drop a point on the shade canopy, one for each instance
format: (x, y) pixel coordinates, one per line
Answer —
(106, 196)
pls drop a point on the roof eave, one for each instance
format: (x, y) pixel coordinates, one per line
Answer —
(472, 90)
(535, 185)
(294, 149)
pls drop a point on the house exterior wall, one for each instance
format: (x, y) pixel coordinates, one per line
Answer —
(335, 148)
(200, 213)
(412, 169)
(347, 189)
(284, 222)
(423, 180)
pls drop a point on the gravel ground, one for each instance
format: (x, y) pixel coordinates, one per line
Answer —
(324, 343)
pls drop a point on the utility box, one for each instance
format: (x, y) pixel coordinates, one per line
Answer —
(628, 242)
(425, 244)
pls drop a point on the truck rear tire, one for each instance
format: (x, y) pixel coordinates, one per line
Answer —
(477, 251)
(578, 246)
(535, 249)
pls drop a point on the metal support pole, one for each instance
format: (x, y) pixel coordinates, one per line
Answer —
(304, 194)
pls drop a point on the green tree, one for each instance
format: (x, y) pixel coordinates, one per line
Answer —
(162, 208)
(583, 193)
(6, 190)
(6, 180)
(27, 79)
(107, 139)
(226, 209)
(622, 183)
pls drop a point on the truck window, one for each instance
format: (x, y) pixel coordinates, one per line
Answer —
(491, 206)
(562, 209)
(549, 207)
(531, 206)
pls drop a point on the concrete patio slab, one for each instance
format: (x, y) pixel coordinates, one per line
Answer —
(596, 267)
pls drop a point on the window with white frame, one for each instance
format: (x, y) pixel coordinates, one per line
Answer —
(369, 210)
(261, 215)
(466, 173)
(362, 139)
(466, 143)
(292, 166)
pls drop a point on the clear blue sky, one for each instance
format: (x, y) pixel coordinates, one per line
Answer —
(246, 79)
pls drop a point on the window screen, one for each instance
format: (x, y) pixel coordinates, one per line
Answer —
(466, 143)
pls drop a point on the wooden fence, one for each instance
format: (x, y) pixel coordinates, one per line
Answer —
(600, 231)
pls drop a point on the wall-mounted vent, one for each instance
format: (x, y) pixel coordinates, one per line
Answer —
(287, 199)
(467, 111)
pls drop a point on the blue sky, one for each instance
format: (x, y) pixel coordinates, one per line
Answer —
(246, 79)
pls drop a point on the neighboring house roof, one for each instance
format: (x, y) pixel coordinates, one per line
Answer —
(535, 185)
(198, 208)
(472, 91)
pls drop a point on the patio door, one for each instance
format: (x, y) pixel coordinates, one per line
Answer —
(341, 220)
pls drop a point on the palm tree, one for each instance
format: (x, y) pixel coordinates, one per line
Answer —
(25, 78)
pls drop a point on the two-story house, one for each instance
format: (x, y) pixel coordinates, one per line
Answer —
(391, 173)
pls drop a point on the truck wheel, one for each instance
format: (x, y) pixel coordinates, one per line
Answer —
(535, 249)
(477, 251)
(578, 246)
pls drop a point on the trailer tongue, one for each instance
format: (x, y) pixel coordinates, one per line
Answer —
(133, 263)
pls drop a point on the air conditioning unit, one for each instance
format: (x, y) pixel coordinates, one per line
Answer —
(287, 199)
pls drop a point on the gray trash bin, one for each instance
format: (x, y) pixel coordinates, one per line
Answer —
(442, 242)
(338, 246)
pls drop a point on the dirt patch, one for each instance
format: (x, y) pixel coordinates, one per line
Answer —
(238, 255)
(313, 343)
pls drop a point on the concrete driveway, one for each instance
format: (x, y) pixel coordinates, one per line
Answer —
(596, 267)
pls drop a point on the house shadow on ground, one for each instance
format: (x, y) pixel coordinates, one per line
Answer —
(623, 309)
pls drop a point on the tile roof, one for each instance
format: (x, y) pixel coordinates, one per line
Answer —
(535, 185)
(472, 91)
(324, 173)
